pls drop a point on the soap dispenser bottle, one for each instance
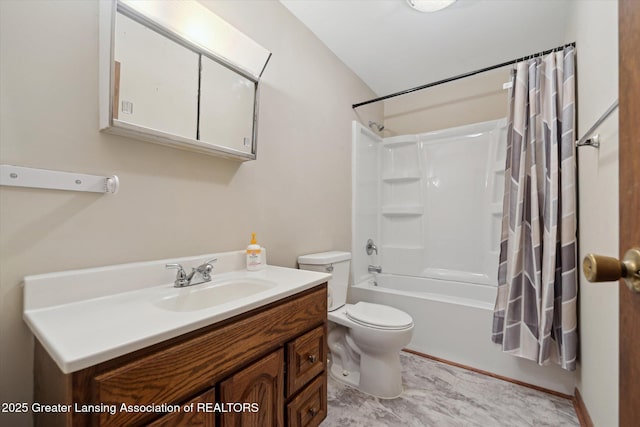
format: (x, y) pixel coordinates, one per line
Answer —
(254, 255)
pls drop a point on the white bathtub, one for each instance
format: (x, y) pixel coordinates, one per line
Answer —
(453, 322)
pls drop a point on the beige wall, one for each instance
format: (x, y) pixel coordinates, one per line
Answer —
(470, 100)
(597, 54)
(172, 203)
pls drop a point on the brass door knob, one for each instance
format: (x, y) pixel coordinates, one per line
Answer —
(598, 268)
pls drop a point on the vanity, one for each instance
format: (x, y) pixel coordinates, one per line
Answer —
(114, 354)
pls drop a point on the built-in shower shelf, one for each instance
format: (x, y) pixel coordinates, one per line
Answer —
(416, 210)
(403, 247)
(394, 142)
(404, 177)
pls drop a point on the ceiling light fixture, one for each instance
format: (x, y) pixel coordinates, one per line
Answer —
(429, 5)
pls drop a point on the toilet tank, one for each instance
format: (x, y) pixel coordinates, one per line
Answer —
(336, 263)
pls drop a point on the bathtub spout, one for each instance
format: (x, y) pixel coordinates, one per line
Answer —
(374, 269)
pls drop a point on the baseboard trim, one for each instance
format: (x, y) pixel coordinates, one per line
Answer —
(501, 377)
(581, 410)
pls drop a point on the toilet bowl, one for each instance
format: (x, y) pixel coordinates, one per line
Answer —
(364, 339)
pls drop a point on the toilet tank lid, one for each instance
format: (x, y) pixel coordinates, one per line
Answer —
(324, 258)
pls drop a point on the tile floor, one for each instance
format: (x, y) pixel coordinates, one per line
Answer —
(440, 395)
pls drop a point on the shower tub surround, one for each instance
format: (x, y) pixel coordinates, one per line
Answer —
(432, 203)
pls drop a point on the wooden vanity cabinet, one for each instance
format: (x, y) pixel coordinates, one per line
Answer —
(272, 360)
(196, 418)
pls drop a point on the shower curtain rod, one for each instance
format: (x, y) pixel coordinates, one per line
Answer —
(461, 76)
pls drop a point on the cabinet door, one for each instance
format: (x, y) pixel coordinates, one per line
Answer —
(201, 415)
(227, 107)
(254, 396)
(157, 80)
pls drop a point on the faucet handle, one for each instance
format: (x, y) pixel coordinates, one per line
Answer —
(206, 269)
(371, 247)
(175, 267)
(181, 275)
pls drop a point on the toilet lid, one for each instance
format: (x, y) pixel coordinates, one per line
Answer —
(379, 316)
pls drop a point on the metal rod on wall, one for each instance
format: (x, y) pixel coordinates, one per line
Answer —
(461, 76)
(594, 141)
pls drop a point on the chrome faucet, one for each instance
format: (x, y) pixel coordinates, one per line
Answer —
(198, 275)
(371, 247)
(374, 269)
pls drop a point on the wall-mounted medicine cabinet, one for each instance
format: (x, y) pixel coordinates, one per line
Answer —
(174, 73)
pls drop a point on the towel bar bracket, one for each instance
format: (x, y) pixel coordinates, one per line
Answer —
(594, 142)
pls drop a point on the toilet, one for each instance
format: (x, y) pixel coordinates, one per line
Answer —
(364, 339)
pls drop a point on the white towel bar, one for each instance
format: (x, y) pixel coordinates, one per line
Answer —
(18, 176)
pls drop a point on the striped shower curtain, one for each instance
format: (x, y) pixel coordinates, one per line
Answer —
(535, 312)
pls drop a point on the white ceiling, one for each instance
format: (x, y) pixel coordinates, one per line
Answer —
(392, 47)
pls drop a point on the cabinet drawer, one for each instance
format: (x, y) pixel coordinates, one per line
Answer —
(306, 358)
(309, 408)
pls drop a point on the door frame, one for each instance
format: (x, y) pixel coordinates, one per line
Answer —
(629, 206)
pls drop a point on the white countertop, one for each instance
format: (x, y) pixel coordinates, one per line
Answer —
(85, 317)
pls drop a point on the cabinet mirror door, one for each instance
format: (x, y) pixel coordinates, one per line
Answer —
(156, 80)
(174, 73)
(227, 102)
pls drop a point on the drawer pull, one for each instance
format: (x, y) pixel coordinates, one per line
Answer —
(313, 412)
(312, 358)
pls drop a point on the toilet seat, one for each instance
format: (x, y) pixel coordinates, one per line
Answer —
(378, 316)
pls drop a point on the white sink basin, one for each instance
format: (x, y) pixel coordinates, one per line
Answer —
(122, 308)
(199, 297)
